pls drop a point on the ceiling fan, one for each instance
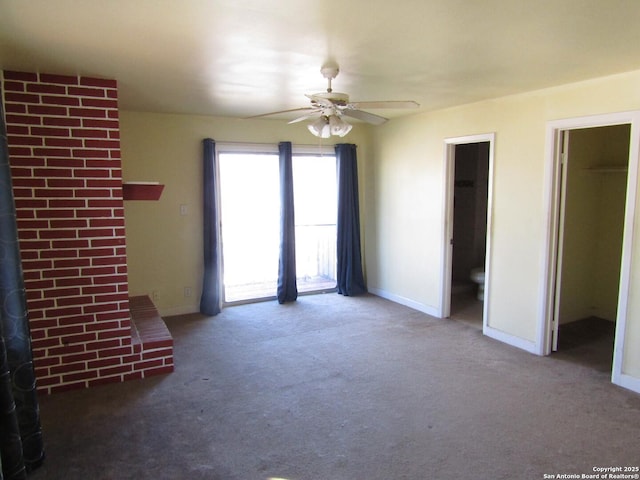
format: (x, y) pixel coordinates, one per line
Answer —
(329, 107)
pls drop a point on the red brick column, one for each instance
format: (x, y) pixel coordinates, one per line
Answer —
(64, 149)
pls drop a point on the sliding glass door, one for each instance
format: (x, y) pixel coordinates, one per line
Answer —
(250, 212)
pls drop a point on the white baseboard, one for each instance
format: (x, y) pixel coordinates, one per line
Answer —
(407, 302)
(512, 340)
(626, 381)
(180, 310)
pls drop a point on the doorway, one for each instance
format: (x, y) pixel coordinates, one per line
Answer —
(592, 202)
(467, 220)
(597, 156)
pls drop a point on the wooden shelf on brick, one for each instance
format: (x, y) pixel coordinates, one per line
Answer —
(141, 190)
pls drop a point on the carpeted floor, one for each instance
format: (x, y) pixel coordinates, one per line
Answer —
(587, 342)
(342, 388)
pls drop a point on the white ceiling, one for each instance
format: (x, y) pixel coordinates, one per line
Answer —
(247, 57)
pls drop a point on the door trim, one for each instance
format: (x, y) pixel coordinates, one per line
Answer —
(552, 191)
(444, 310)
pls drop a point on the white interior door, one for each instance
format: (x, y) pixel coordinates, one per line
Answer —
(563, 159)
(447, 254)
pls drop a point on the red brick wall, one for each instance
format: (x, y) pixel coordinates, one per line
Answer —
(64, 150)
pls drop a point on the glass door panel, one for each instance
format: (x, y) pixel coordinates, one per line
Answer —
(315, 204)
(250, 218)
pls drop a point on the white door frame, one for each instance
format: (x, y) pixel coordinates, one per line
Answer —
(447, 246)
(552, 191)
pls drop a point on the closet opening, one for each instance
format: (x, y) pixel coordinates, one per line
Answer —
(593, 191)
(609, 170)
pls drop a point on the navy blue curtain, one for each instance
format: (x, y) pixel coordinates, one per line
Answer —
(287, 287)
(211, 299)
(349, 274)
(21, 446)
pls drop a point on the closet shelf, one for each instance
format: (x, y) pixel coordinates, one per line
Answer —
(607, 169)
(141, 190)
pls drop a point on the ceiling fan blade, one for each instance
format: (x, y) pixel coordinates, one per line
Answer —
(301, 109)
(304, 117)
(385, 104)
(364, 116)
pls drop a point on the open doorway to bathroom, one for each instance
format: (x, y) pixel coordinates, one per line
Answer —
(468, 165)
(471, 174)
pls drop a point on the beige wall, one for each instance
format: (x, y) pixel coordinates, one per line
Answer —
(404, 234)
(409, 176)
(164, 248)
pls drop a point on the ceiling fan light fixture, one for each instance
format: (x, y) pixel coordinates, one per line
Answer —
(328, 125)
(338, 126)
(321, 127)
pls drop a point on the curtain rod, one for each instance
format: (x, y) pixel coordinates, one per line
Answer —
(272, 147)
(303, 145)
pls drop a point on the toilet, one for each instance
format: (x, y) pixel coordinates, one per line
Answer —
(477, 276)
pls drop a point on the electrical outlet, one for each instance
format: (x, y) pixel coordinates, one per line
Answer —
(184, 209)
(187, 291)
(155, 295)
